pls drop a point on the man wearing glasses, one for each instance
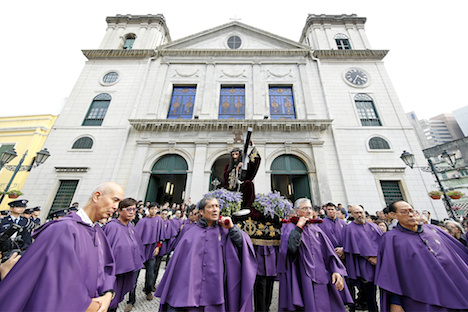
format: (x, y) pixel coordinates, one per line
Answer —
(419, 267)
(127, 249)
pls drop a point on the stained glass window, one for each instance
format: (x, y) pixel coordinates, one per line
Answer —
(232, 103)
(282, 103)
(97, 111)
(366, 110)
(182, 101)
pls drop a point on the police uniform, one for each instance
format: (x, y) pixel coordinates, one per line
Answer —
(36, 221)
(23, 237)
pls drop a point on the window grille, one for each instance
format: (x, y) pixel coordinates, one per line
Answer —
(391, 191)
(378, 143)
(64, 195)
(366, 110)
(83, 143)
(97, 111)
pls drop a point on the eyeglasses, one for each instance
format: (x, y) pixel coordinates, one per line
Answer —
(406, 212)
(129, 209)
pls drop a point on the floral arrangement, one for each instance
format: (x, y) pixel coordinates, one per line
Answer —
(14, 193)
(435, 193)
(273, 204)
(455, 193)
(229, 202)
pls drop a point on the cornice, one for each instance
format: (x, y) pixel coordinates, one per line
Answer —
(350, 54)
(106, 54)
(179, 125)
(233, 53)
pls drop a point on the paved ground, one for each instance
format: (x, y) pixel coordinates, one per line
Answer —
(144, 305)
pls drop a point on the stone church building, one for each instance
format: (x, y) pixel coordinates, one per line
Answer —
(160, 116)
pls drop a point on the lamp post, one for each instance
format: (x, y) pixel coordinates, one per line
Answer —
(7, 156)
(409, 160)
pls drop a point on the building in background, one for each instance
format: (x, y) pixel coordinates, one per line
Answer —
(23, 134)
(160, 116)
(461, 116)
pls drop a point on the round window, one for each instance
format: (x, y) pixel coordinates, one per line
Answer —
(110, 78)
(234, 42)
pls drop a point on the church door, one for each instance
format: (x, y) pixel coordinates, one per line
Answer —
(167, 181)
(289, 177)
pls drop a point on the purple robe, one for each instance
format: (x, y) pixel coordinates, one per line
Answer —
(428, 269)
(305, 277)
(334, 230)
(207, 270)
(267, 258)
(69, 263)
(361, 241)
(150, 232)
(172, 231)
(128, 254)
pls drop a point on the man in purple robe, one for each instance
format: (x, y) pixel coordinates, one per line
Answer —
(311, 274)
(70, 266)
(334, 227)
(127, 249)
(360, 245)
(149, 230)
(420, 267)
(213, 267)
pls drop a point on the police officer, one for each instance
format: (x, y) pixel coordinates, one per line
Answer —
(35, 216)
(22, 238)
(28, 215)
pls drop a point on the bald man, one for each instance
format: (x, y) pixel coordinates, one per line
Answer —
(360, 245)
(70, 266)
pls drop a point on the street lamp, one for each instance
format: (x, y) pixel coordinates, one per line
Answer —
(409, 160)
(8, 155)
(449, 158)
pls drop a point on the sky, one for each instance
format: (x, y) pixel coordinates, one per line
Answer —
(42, 59)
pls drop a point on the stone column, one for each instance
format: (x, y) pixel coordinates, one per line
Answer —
(199, 183)
(136, 181)
(321, 174)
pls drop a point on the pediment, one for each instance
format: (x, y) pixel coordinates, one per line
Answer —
(217, 39)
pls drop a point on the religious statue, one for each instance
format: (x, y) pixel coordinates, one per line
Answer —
(239, 173)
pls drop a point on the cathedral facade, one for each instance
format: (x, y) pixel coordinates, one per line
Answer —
(160, 116)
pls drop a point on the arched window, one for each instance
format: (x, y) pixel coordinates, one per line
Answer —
(342, 42)
(366, 110)
(97, 111)
(129, 41)
(83, 143)
(378, 143)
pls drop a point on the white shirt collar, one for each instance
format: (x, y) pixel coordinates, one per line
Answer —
(84, 217)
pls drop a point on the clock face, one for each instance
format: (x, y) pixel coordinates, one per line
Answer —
(356, 77)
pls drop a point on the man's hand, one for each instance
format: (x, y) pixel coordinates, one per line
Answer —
(339, 252)
(7, 265)
(302, 221)
(226, 222)
(337, 280)
(100, 304)
(156, 251)
(372, 260)
(396, 308)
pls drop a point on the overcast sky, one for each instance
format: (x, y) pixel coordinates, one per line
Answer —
(41, 57)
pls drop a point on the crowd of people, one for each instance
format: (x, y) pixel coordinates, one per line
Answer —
(330, 258)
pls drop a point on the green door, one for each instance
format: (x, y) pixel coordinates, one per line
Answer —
(289, 177)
